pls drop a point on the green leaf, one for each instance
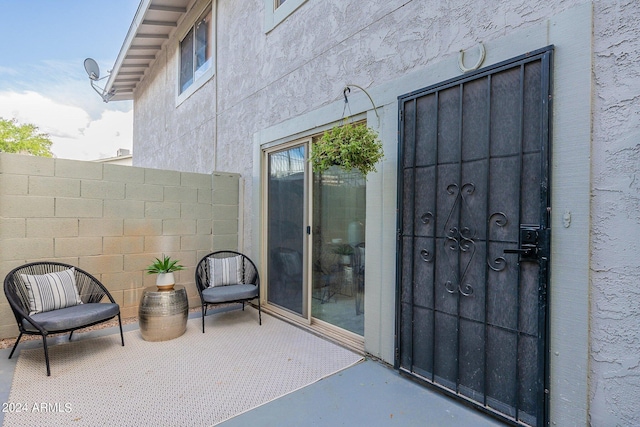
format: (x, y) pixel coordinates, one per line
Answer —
(23, 139)
(164, 265)
(349, 146)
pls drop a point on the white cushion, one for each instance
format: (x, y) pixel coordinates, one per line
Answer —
(225, 271)
(51, 291)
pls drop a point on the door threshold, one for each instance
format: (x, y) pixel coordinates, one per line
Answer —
(325, 330)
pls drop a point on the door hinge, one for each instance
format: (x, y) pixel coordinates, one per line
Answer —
(401, 115)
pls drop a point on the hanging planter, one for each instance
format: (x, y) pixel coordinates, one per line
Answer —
(350, 146)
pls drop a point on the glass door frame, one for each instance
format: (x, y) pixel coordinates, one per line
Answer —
(305, 318)
(344, 336)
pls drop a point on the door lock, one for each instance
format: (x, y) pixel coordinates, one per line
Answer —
(529, 240)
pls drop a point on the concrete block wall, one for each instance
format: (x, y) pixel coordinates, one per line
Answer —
(112, 221)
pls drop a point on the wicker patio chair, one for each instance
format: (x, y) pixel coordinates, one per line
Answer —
(227, 277)
(43, 301)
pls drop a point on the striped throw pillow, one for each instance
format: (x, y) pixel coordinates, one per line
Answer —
(225, 271)
(51, 291)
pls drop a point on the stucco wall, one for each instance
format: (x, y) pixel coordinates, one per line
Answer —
(301, 65)
(168, 134)
(112, 221)
(273, 87)
(615, 216)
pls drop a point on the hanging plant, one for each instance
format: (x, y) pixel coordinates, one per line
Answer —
(351, 146)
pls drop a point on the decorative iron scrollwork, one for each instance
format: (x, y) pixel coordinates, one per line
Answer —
(453, 241)
(426, 217)
(497, 264)
(450, 287)
(499, 219)
(460, 238)
(426, 255)
(466, 290)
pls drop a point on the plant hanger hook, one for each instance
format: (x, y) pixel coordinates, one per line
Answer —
(347, 90)
(346, 104)
(477, 65)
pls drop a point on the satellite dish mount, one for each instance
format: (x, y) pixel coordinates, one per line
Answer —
(93, 71)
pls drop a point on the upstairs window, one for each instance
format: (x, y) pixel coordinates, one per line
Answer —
(277, 11)
(196, 52)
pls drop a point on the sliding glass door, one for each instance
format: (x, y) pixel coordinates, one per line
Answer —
(286, 228)
(339, 212)
(315, 245)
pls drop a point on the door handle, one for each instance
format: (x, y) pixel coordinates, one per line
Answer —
(528, 250)
(521, 251)
(526, 253)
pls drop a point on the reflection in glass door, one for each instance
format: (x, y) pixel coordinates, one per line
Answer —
(326, 274)
(286, 226)
(339, 211)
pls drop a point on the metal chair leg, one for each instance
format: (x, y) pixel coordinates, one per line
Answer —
(15, 345)
(204, 312)
(46, 354)
(259, 313)
(70, 335)
(120, 324)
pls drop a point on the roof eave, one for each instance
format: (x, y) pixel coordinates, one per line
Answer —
(151, 28)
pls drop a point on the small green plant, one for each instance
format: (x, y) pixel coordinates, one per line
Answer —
(343, 249)
(164, 265)
(351, 146)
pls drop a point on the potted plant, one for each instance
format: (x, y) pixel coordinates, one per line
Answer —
(164, 268)
(351, 146)
(344, 251)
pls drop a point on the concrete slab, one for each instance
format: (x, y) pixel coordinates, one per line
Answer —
(367, 394)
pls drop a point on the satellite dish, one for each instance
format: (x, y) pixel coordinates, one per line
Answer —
(92, 69)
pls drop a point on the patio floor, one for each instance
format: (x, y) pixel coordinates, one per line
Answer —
(367, 394)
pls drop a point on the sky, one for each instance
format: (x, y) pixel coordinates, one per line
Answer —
(43, 45)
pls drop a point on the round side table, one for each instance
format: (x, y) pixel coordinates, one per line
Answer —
(163, 314)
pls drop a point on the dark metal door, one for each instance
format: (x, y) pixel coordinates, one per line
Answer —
(474, 237)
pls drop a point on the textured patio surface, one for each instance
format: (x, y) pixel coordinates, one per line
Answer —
(368, 394)
(194, 380)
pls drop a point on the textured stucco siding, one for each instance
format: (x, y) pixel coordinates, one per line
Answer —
(305, 62)
(615, 238)
(168, 134)
(288, 82)
(301, 65)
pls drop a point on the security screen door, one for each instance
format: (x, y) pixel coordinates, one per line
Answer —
(473, 237)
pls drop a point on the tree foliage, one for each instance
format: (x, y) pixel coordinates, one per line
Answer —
(23, 139)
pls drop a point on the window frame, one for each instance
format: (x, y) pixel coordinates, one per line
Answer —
(274, 15)
(199, 79)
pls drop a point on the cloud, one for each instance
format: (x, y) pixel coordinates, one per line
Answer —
(62, 81)
(76, 132)
(8, 71)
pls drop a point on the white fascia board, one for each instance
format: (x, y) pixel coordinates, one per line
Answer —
(133, 30)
